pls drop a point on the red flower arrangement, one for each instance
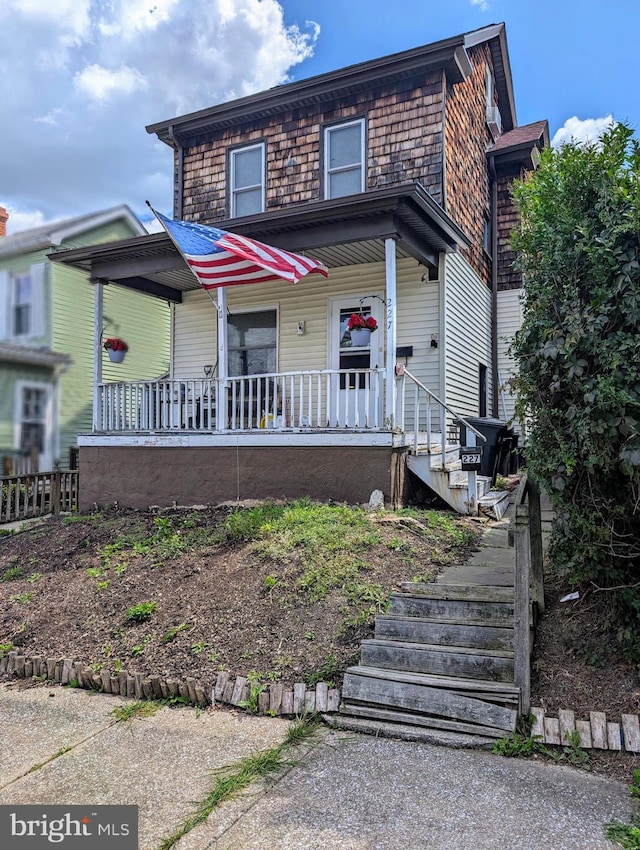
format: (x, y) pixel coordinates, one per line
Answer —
(115, 344)
(360, 322)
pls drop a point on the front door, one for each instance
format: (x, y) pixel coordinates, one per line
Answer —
(357, 394)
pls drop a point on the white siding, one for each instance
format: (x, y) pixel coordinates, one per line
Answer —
(509, 321)
(467, 312)
(309, 300)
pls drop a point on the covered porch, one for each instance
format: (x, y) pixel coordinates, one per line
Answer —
(222, 420)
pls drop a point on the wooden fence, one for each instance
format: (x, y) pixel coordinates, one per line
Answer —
(529, 582)
(38, 494)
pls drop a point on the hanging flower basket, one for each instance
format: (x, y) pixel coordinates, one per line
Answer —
(360, 336)
(360, 328)
(116, 349)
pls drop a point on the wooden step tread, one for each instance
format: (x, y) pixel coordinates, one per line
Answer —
(453, 610)
(462, 593)
(424, 695)
(461, 662)
(482, 624)
(436, 647)
(427, 631)
(387, 715)
(435, 681)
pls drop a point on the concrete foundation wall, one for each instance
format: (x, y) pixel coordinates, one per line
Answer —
(137, 477)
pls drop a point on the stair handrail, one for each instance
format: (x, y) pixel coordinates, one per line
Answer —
(444, 406)
(528, 580)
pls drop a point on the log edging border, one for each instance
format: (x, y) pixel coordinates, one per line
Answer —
(229, 689)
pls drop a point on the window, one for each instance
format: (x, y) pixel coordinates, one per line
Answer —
(247, 180)
(22, 309)
(482, 387)
(22, 304)
(344, 159)
(489, 87)
(251, 341)
(486, 235)
(33, 418)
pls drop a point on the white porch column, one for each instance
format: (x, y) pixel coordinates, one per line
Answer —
(391, 320)
(98, 300)
(223, 362)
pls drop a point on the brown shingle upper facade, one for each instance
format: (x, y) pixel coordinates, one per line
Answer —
(427, 116)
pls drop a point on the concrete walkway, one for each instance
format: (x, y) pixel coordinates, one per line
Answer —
(349, 792)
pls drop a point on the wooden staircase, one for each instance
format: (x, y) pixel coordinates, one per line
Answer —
(442, 658)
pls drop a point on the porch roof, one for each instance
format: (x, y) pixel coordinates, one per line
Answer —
(343, 231)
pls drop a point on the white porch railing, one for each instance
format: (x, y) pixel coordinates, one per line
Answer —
(331, 399)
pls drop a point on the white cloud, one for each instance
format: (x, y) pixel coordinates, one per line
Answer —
(131, 17)
(581, 130)
(135, 62)
(483, 4)
(100, 84)
(22, 220)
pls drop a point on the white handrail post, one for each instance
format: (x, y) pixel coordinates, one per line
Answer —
(98, 300)
(223, 363)
(391, 320)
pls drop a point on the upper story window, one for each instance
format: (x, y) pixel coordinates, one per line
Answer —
(22, 305)
(247, 172)
(344, 159)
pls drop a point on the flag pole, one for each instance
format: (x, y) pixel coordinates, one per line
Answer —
(221, 333)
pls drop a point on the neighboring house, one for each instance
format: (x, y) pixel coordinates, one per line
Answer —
(395, 173)
(47, 337)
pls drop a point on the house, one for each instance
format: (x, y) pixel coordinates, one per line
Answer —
(47, 336)
(395, 174)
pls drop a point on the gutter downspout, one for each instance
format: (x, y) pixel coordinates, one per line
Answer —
(179, 182)
(495, 390)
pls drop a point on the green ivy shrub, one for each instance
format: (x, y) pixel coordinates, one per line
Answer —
(578, 353)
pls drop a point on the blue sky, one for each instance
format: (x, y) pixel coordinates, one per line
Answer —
(81, 78)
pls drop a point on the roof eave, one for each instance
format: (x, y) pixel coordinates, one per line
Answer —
(449, 53)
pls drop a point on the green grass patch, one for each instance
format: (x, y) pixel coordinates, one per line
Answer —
(229, 781)
(5, 649)
(141, 612)
(174, 631)
(627, 835)
(134, 710)
(12, 573)
(330, 542)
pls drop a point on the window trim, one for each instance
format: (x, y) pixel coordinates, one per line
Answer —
(234, 191)
(327, 172)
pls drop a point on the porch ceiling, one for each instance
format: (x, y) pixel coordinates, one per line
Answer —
(346, 231)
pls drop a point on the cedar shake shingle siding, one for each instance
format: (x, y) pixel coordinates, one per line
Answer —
(508, 220)
(403, 145)
(467, 140)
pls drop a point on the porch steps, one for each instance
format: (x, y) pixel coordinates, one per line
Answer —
(451, 483)
(441, 659)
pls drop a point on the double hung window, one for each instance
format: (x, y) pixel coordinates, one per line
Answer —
(344, 159)
(247, 172)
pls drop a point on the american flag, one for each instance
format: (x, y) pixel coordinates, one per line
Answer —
(219, 258)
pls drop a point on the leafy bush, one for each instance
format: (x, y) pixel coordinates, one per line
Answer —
(579, 373)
